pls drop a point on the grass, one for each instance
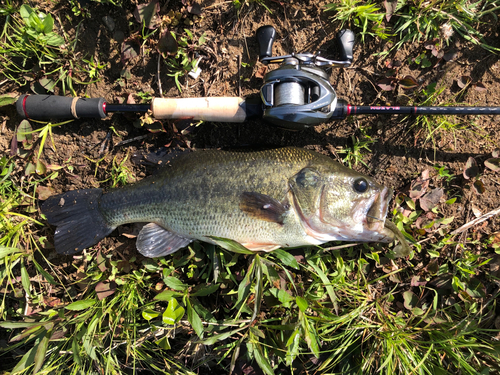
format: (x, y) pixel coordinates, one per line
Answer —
(33, 52)
(417, 21)
(350, 309)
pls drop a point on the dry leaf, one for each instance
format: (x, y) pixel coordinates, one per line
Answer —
(386, 84)
(105, 289)
(471, 169)
(43, 192)
(463, 81)
(478, 187)
(260, 73)
(431, 199)
(419, 186)
(479, 86)
(493, 164)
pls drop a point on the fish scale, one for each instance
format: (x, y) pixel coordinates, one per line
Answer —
(196, 196)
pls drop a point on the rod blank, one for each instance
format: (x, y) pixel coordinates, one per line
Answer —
(432, 110)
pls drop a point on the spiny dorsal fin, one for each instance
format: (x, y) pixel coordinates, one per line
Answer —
(263, 207)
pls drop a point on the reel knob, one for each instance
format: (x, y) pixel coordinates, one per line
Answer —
(345, 39)
(266, 35)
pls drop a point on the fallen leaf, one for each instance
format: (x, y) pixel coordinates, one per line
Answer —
(130, 50)
(386, 84)
(431, 199)
(415, 281)
(479, 86)
(450, 55)
(101, 262)
(419, 186)
(194, 8)
(105, 289)
(476, 211)
(471, 169)
(390, 8)
(130, 99)
(43, 192)
(393, 64)
(493, 164)
(463, 81)
(431, 45)
(145, 14)
(52, 301)
(167, 45)
(14, 147)
(261, 72)
(411, 300)
(478, 187)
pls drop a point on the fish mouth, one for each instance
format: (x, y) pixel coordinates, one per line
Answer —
(376, 215)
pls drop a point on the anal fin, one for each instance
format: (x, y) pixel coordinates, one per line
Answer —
(155, 241)
(266, 247)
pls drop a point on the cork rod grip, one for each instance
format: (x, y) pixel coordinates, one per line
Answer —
(222, 109)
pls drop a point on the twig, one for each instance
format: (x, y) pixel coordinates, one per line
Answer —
(341, 246)
(132, 140)
(216, 5)
(476, 221)
(159, 77)
(239, 74)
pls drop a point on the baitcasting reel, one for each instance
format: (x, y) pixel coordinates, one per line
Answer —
(298, 94)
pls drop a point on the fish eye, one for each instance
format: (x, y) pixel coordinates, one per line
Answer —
(360, 185)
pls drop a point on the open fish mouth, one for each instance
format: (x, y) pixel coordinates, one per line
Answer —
(376, 216)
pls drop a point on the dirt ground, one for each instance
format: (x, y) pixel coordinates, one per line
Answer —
(400, 153)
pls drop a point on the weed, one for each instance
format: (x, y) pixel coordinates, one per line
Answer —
(354, 154)
(183, 60)
(364, 16)
(29, 44)
(444, 173)
(145, 97)
(120, 174)
(239, 4)
(94, 67)
(436, 126)
(440, 19)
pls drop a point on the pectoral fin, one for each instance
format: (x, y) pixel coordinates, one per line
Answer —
(263, 207)
(155, 241)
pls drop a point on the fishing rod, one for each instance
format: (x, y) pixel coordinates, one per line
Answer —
(296, 95)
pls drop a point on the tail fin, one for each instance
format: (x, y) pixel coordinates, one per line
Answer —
(79, 221)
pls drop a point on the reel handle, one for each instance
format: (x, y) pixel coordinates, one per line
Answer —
(345, 39)
(266, 35)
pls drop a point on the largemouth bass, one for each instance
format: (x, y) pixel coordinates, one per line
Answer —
(264, 200)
